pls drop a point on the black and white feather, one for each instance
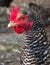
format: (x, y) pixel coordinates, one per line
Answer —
(35, 49)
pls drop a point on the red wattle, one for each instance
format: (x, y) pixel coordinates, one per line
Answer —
(19, 29)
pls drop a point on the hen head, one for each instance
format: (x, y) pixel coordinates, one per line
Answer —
(19, 21)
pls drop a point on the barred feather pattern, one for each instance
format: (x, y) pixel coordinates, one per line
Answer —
(35, 49)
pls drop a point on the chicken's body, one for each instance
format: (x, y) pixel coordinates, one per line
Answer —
(41, 12)
(35, 50)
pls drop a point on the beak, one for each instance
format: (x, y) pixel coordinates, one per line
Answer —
(11, 25)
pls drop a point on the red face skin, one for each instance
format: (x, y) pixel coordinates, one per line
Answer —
(21, 20)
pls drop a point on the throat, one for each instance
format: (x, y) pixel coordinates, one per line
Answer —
(34, 47)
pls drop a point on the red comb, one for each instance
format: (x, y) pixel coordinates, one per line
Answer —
(14, 13)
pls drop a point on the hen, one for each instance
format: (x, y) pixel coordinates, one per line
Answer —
(35, 49)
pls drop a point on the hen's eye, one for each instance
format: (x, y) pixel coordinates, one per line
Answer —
(23, 18)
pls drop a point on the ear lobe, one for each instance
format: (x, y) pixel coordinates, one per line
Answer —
(27, 16)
